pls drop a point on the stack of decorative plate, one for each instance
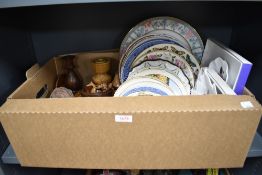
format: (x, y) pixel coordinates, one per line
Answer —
(159, 56)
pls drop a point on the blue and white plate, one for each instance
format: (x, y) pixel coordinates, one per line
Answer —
(142, 93)
(146, 38)
(143, 85)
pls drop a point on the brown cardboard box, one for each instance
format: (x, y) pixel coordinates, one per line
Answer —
(175, 132)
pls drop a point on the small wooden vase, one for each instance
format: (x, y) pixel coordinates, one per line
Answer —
(70, 79)
(101, 67)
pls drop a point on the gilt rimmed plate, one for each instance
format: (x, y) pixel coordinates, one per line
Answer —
(170, 79)
(168, 68)
(183, 53)
(172, 58)
(165, 23)
(126, 62)
(143, 84)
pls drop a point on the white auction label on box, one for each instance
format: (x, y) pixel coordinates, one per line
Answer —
(246, 104)
(124, 118)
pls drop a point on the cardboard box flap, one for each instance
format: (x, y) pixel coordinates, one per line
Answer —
(37, 79)
(32, 71)
(132, 104)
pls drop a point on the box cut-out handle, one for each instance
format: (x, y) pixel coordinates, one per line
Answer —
(42, 93)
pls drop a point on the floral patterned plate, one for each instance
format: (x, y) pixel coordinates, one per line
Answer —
(174, 59)
(167, 68)
(165, 23)
(183, 53)
(181, 40)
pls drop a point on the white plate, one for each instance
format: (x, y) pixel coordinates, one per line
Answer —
(143, 84)
(163, 65)
(171, 80)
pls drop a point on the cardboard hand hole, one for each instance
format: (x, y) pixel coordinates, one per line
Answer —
(42, 93)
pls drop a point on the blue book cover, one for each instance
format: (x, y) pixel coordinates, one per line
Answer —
(242, 78)
(238, 67)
